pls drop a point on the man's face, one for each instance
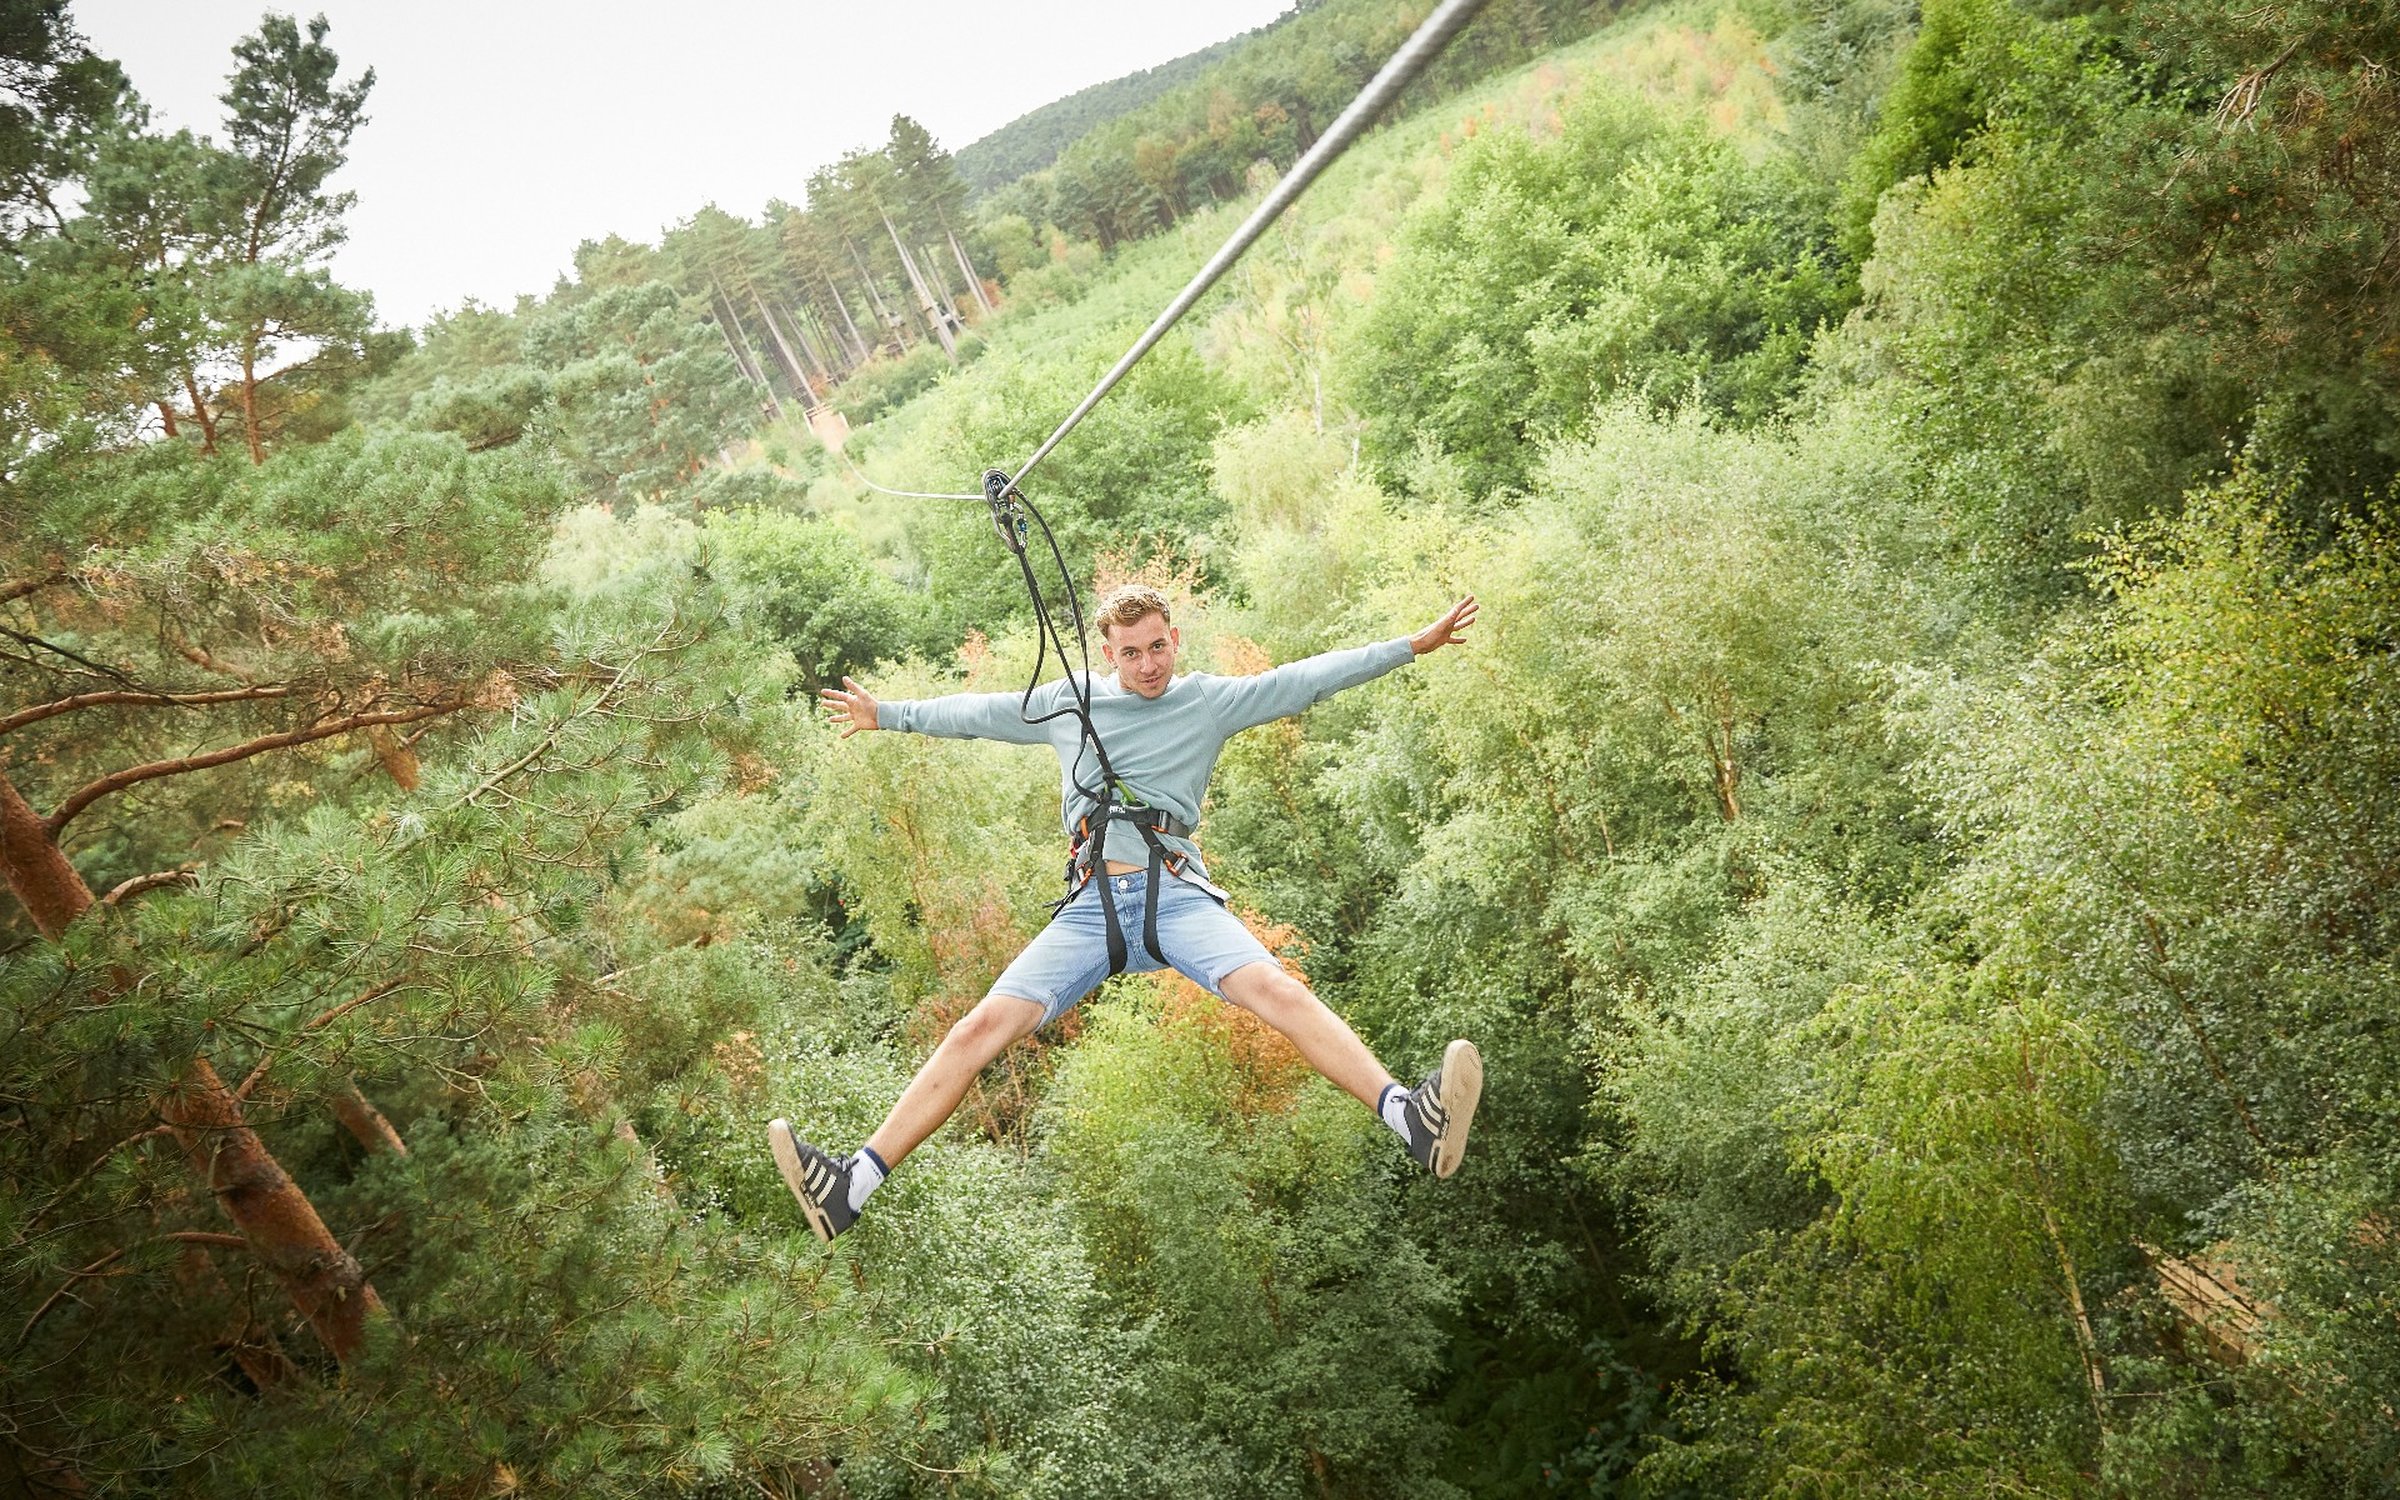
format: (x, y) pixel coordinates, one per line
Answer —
(1143, 653)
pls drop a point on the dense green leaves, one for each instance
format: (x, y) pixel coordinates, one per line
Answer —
(1914, 832)
(1633, 254)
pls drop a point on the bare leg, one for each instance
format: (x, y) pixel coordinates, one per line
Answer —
(1325, 1039)
(974, 1040)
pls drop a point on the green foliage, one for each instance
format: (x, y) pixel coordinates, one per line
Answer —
(60, 96)
(1132, 486)
(1033, 140)
(641, 392)
(1257, 1236)
(1938, 99)
(811, 587)
(882, 384)
(1635, 254)
(1913, 832)
(1270, 98)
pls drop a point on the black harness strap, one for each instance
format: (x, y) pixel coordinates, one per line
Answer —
(1088, 861)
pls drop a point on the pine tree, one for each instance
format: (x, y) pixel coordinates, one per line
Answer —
(288, 129)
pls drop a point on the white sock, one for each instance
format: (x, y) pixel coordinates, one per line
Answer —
(1394, 1109)
(867, 1172)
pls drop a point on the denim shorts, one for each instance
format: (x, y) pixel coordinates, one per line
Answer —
(1203, 940)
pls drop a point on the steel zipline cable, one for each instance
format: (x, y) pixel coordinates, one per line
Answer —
(1010, 508)
(1423, 45)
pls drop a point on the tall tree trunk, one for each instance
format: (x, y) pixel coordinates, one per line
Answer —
(247, 1342)
(819, 372)
(967, 268)
(269, 1209)
(734, 344)
(890, 319)
(200, 414)
(941, 287)
(258, 451)
(41, 877)
(791, 361)
(166, 414)
(841, 338)
(738, 340)
(733, 351)
(858, 341)
(811, 335)
(927, 308)
(323, 1280)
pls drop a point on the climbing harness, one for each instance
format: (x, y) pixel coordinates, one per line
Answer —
(1107, 798)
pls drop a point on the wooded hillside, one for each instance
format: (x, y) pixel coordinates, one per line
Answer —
(1915, 835)
(1034, 139)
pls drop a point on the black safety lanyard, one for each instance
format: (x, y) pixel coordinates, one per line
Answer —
(1111, 801)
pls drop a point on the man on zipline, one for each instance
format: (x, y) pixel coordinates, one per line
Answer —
(1161, 734)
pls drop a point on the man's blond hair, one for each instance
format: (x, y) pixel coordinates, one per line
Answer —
(1127, 604)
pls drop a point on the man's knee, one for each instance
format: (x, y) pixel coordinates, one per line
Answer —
(996, 1021)
(1267, 991)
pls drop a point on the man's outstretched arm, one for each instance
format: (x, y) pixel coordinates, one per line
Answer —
(960, 716)
(1246, 701)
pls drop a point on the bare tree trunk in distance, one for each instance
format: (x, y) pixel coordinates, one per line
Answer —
(927, 309)
(739, 342)
(208, 424)
(967, 267)
(791, 361)
(258, 452)
(891, 320)
(858, 341)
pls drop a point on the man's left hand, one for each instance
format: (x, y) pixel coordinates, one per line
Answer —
(1449, 630)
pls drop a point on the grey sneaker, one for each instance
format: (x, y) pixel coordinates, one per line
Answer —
(821, 1183)
(1440, 1109)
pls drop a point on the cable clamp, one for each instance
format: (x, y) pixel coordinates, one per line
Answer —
(1008, 517)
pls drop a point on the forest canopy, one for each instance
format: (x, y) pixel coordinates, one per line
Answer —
(1915, 835)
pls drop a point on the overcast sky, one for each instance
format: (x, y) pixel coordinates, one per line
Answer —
(501, 132)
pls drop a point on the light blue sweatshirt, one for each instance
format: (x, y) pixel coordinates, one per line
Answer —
(1164, 747)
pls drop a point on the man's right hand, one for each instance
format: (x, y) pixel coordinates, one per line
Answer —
(855, 708)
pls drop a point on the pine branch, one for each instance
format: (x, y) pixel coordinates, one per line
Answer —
(98, 669)
(135, 775)
(67, 1287)
(41, 711)
(323, 1018)
(126, 890)
(34, 1220)
(199, 657)
(616, 679)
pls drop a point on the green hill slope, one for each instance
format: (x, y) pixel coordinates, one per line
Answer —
(1033, 140)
